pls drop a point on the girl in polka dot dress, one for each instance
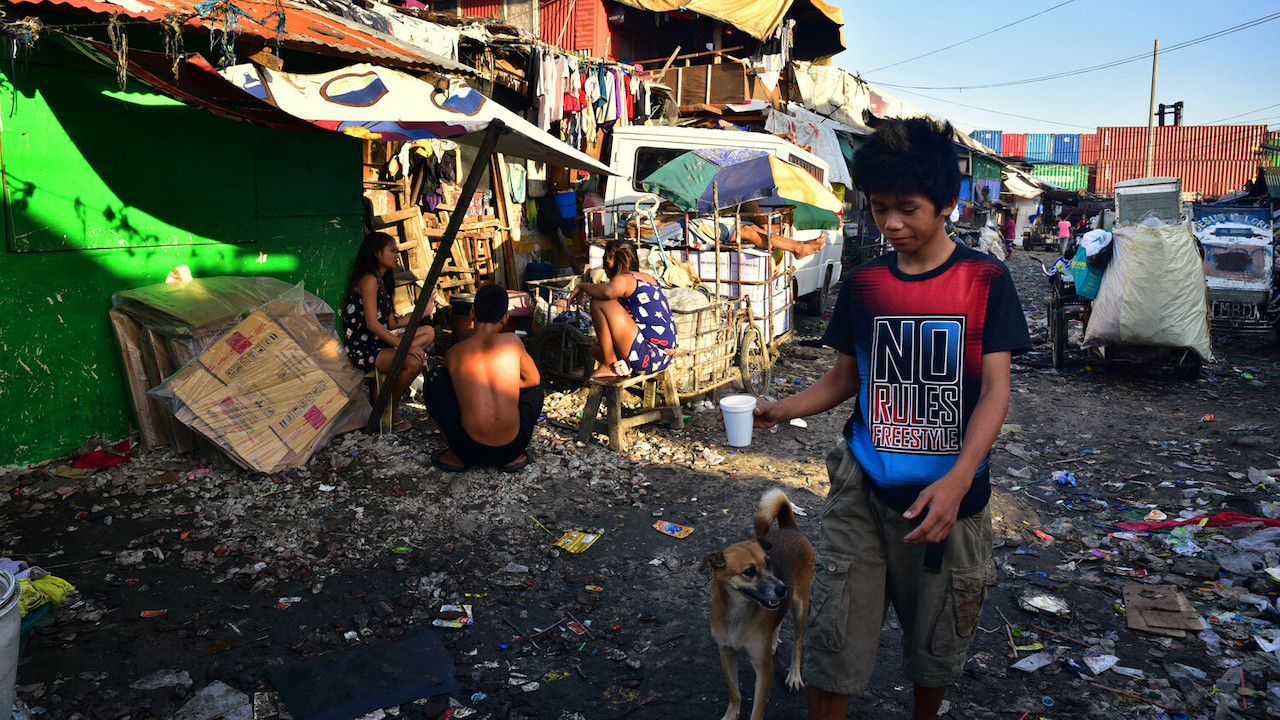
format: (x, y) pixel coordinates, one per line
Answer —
(368, 319)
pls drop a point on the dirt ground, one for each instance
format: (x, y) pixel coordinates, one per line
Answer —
(367, 542)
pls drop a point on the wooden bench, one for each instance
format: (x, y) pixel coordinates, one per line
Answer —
(376, 380)
(650, 411)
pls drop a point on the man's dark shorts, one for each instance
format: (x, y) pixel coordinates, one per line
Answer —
(442, 402)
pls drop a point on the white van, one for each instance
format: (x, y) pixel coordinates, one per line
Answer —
(639, 150)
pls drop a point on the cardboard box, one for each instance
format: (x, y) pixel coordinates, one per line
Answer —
(159, 361)
(145, 410)
(755, 266)
(259, 395)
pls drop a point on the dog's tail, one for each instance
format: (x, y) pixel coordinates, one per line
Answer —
(774, 506)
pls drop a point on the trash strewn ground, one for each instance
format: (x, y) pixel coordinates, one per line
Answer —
(195, 582)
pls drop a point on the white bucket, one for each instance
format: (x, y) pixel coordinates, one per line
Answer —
(738, 418)
(10, 629)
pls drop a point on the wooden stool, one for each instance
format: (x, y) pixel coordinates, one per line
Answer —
(378, 380)
(650, 411)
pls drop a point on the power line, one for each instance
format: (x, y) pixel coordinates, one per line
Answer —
(975, 37)
(1233, 117)
(997, 112)
(1093, 68)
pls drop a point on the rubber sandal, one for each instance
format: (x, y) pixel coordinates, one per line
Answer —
(402, 426)
(517, 466)
(446, 466)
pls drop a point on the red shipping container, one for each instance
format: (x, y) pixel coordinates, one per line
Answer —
(1122, 143)
(1013, 145)
(1088, 149)
(1209, 142)
(1207, 178)
(1201, 142)
(1110, 172)
(1210, 178)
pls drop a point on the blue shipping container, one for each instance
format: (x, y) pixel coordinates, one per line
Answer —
(990, 138)
(1040, 147)
(1066, 149)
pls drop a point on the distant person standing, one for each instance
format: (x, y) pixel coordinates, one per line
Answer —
(1064, 233)
(1010, 232)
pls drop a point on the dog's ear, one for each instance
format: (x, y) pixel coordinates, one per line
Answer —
(764, 543)
(715, 560)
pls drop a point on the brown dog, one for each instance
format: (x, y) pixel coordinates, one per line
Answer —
(754, 584)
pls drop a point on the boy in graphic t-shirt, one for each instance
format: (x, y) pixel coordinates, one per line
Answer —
(923, 339)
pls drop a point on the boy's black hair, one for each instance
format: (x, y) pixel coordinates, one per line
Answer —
(490, 304)
(909, 155)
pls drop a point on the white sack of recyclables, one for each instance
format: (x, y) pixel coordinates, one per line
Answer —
(1095, 241)
(1154, 291)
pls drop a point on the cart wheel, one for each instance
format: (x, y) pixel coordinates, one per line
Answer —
(560, 350)
(1191, 366)
(754, 363)
(1058, 333)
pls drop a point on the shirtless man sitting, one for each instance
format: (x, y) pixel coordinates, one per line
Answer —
(485, 399)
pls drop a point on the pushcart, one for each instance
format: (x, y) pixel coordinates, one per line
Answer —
(1065, 306)
(717, 344)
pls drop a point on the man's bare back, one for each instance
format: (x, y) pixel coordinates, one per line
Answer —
(488, 371)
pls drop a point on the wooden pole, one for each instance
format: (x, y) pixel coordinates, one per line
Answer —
(1151, 115)
(437, 266)
(715, 219)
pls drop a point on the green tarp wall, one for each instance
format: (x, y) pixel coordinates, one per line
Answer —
(107, 190)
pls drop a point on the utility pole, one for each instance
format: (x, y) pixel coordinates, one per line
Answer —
(1151, 115)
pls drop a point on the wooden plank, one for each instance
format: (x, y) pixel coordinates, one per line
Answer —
(432, 232)
(504, 247)
(395, 216)
(129, 342)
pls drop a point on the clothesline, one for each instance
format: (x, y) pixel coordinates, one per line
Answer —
(582, 97)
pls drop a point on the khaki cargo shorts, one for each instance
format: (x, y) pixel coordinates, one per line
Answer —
(863, 565)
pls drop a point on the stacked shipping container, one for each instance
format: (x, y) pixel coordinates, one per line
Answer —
(1039, 148)
(990, 138)
(1066, 148)
(1013, 145)
(1089, 149)
(1211, 159)
(1200, 143)
(1210, 178)
(1067, 177)
(1271, 158)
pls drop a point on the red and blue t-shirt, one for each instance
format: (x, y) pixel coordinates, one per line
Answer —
(919, 341)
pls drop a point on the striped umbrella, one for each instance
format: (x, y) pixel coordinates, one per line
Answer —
(739, 175)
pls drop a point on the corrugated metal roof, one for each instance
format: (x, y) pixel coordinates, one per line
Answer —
(305, 28)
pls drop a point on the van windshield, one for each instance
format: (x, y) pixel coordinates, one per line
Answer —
(648, 160)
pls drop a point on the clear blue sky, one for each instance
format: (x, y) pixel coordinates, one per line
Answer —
(1237, 74)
